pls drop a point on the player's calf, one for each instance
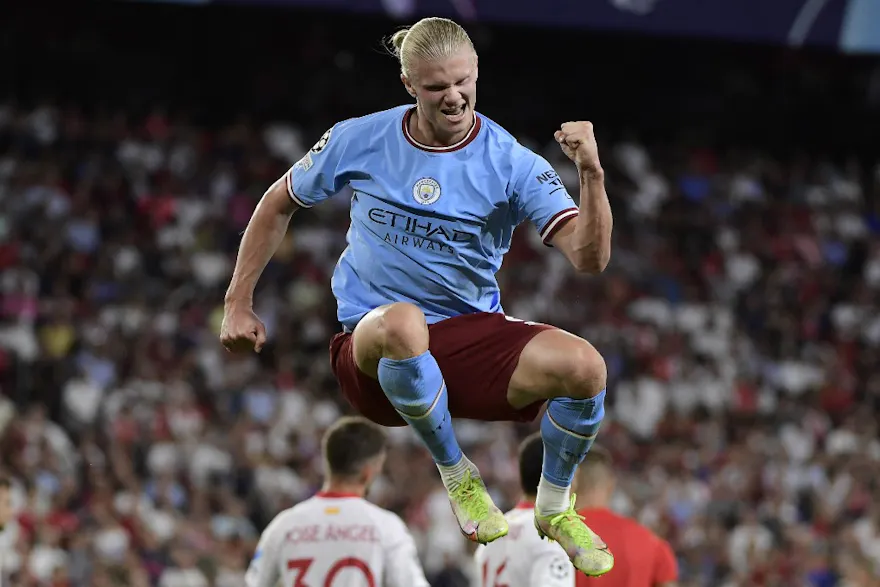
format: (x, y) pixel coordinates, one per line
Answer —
(569, 427)
(394, 341)
(571, 422)
(569, 372)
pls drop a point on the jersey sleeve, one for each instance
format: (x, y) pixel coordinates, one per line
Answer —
(552, 569)
(320, 173)
(402, 565)
(541, 196)
(263, 569)
(665, 565)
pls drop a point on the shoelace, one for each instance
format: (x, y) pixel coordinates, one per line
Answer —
(572, 524)
(469, 495)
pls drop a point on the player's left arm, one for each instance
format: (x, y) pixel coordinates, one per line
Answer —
(586, 242)
(263, 568)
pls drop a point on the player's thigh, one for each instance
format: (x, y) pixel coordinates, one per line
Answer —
(477, 354)
(556, 363)
(396, 331)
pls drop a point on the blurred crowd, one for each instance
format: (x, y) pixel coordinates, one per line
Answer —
(739, 318)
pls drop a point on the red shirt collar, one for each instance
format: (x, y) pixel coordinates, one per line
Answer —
(525, 505)
(467, 140)
(336, 494)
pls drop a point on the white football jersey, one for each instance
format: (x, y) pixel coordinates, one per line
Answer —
(523, 558)
(336, 540)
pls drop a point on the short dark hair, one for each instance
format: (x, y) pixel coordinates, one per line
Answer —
(599, 456)
(350, 443)
(531, 460)
(597, 465)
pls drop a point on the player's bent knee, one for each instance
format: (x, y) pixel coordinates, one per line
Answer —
(403, 331)
(586, 372)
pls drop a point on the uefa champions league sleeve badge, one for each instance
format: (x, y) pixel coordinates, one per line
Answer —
(322, 142)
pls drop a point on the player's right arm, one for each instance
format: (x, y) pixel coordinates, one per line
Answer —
(315, 177)
(241, 329)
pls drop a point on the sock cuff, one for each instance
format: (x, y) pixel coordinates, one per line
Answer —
(598, 399)
(577, 417)
(566, 405)
(404, 363)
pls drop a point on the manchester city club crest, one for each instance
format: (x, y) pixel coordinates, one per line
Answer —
(426, 191)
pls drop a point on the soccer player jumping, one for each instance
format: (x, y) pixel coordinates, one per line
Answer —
(438, 190)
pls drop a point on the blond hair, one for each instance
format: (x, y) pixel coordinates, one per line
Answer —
(429, 39)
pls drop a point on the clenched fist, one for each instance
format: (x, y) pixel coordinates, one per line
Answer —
(241, 330)
(579, 144)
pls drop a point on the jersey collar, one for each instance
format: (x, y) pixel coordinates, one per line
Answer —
(525, 505)
(335, 494)
(468, 138)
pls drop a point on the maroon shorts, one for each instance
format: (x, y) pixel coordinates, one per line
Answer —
(477, 354)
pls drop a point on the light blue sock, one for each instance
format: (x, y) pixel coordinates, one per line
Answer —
(416, 389)
(568, 429)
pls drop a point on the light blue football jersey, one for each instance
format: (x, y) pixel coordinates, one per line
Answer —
(429, 225)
